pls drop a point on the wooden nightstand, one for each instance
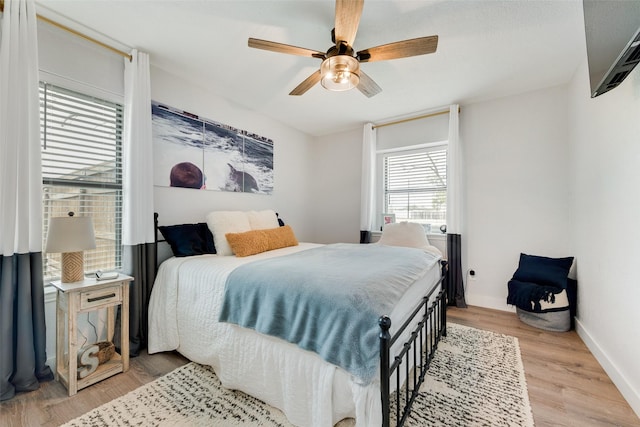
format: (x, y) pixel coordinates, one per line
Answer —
(81, 297)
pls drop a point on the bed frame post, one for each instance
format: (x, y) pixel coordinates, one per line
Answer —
(155, 238)
(385, 338)
(443, 302)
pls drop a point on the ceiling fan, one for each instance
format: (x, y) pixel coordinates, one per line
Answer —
(340, 68)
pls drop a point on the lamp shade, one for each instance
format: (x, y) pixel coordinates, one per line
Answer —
(70, 234)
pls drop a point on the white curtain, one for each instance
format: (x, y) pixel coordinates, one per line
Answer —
(367, 195)
(454, 172)
(22, 336)
(455, 285)
(138, 231)
(20, 165)
(137, 222)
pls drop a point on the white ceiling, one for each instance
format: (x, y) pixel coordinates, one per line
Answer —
(487, 49)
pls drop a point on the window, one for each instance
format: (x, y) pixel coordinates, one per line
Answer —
(415, 185)
(81, 138)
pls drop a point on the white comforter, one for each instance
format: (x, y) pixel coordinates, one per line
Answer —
(183, 312)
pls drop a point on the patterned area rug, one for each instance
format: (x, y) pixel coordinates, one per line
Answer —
(475, 379)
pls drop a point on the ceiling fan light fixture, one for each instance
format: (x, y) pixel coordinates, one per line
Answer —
(340, 69)
(340, 72)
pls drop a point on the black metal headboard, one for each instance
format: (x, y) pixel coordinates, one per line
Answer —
(162, 247)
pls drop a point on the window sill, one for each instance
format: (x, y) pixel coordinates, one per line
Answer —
(429, 235)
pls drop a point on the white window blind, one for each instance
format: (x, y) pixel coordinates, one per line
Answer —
(81, 140)
(415, 186)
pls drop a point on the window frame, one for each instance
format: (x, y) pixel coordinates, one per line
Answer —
(115, 185)
(381, 155)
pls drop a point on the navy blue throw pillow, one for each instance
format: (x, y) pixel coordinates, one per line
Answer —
(543, 270)
(209, 246)
(189, 239)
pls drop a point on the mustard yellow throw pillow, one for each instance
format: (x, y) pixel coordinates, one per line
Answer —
(257, 241)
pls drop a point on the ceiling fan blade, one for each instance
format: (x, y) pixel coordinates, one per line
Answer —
(403, 49)
(367, 86)
(307, 84)
(284, 48)
(348, 14)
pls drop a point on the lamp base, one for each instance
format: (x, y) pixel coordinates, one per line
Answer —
(72, 267)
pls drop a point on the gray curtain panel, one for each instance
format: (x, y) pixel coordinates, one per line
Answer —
(22, 330)
(455, 285)
(140, 263)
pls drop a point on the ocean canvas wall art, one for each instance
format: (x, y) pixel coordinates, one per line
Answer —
(194, 152)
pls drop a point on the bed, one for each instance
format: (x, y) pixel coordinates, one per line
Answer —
(305, 382)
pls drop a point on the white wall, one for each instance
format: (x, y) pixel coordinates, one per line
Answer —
(516, 188)
(292, 161)
(74, 63)
(336, 176)
(605, 179)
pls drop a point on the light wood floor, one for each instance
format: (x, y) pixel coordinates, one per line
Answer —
(567, 386)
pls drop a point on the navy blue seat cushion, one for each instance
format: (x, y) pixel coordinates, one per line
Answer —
(189, 239)
(543, 271)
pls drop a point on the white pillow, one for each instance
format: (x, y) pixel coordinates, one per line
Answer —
(409, 234)
(263, 220)
(222, 222)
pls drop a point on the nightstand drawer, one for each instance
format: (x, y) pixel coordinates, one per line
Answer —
(91, 299)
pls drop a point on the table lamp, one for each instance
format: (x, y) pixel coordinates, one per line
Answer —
(71, 235)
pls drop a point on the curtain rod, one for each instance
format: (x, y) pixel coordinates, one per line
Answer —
(424, 116)
(77, 33)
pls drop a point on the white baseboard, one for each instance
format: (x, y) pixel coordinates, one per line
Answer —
(51, 362)
(489, 302)
(628, 391)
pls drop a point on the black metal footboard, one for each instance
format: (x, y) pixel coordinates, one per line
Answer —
(421, 345)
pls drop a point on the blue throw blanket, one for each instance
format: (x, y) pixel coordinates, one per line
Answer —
(327, 299)
(527, 296)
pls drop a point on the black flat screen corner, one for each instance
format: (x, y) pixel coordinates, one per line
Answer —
(612, 34)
